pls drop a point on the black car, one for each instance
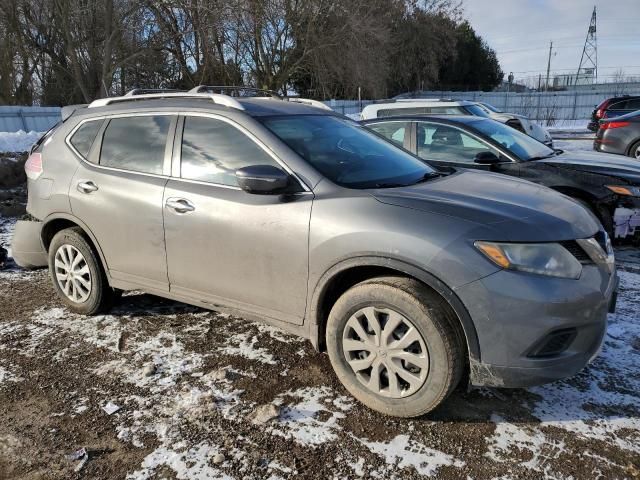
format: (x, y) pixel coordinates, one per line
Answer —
(613, 107)
(609, 185)
(619, 135)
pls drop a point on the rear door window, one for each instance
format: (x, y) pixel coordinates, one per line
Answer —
(633, 104)
(84, 136)
(393, 131)
(620, 105)
(448, 144)
(136, 143)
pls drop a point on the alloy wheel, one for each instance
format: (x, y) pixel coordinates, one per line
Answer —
(72, 273)
(637, 153)
(386, 352)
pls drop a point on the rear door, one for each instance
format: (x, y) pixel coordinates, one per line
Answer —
(225, 245)
(117, 192)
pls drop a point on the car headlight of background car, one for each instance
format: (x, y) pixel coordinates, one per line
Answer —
(625, 190)
(550, 259)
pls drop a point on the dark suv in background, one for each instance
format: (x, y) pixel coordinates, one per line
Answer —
(407, 276)
(613, 107)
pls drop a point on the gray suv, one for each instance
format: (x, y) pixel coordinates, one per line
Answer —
(411, 278)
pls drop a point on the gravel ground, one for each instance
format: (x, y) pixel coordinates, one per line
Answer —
(204, 395)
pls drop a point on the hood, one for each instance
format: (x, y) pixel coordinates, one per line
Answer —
(618, 166)
(531, 128)
(516, 210)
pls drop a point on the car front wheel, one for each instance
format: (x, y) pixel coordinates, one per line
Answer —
(395, 346)
(77, 274)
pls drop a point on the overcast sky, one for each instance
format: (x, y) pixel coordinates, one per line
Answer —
(520, 32)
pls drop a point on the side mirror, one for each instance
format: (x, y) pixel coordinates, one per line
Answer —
(262, 179)
(486, 158)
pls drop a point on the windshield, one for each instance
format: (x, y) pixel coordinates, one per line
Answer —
(491, 107)
(477, 110)
(347, 153)
(522, 145)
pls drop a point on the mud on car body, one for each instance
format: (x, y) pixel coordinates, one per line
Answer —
(296, 216)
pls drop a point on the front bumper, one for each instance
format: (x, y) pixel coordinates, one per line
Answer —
(516, 315)
(26, 246)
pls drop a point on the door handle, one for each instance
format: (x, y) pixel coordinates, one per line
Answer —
(87, 187)
(180, 205)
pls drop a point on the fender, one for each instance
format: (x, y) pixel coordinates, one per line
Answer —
(315, 314)
(66, 216)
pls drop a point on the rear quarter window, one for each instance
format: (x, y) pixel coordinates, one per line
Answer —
(83, 138)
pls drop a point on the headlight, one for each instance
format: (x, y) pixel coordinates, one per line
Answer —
(550, 259)
(625, 190)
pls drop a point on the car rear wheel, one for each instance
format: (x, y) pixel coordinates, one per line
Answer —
(634, 151)
(394, 345)
(77, 274)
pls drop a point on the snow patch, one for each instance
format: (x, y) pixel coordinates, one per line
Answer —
(19, 141)
(403, 452)
(510, 440)
(9, 375)
(244, 345)
(299, 421)
(188, 464)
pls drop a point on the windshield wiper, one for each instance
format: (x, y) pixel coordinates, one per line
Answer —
(424, 178)
(542, 157)
(390, 185)
(428, 176)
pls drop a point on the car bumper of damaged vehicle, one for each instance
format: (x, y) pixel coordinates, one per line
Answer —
(26, 246)
(539, 329)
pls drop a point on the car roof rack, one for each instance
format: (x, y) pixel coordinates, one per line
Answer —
(224, 100)
(147, 91)
(235, 91)
(306, 101)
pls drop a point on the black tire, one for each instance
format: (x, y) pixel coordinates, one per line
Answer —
(101, 295)
(635, 147)
(432, 318)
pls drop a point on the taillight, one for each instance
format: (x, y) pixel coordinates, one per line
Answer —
(609, 125)
(33, 166)
(601, 109)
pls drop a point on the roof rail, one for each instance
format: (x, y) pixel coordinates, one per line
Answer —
(224, 100)
(234, 90)
(146, 91)
(307, 101)
(422, 100)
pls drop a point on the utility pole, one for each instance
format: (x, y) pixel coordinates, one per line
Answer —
(546, 86)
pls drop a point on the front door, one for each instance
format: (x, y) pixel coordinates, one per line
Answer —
(225, 245)
(117, 192)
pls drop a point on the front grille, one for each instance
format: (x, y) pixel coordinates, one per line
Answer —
(577, 251)
(554, 343)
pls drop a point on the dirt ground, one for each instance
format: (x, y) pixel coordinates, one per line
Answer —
(187, 383)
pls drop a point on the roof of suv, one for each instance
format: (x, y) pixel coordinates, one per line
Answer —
(252, 106)
(436, 102)
(451, 119)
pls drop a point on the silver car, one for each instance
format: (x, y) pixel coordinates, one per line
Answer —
(409, 277)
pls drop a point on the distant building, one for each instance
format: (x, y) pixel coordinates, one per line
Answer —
(511, 87)
(569, 80)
